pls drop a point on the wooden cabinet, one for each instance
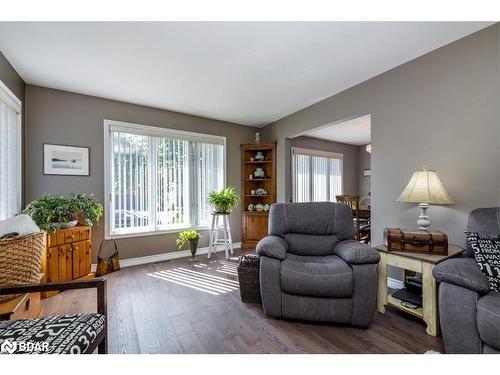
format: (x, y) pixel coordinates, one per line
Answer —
(260, 156)
(255, 226)
(68, 254)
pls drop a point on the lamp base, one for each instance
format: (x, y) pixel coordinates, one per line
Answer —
(423, 220)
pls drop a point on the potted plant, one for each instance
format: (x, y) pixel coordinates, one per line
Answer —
(192, 237)
(224, 201)
(52, 212)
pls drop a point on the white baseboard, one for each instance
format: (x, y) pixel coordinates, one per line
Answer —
(395, 283)
(130, 262)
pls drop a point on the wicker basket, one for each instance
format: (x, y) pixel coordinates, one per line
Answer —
(248, 275)
(20, 260)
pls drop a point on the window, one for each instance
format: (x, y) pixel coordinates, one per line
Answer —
(317, 175)
(159, 179)
(10, 153)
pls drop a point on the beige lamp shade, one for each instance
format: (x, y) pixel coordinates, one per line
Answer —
(425, 187)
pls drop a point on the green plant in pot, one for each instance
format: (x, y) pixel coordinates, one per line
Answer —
(52, 212)
(192, 237)
(225, 200)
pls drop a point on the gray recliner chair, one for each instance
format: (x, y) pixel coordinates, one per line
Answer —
(469, 311)
(312, 269)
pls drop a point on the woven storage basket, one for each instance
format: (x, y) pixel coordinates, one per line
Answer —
(248, 276)
(20, 260)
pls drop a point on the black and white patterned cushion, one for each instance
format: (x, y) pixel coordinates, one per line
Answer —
(65, 334)
(487, 254)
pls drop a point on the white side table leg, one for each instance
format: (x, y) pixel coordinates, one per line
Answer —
(211, 237)
(230, 237)
(226, 245)
(216, 234)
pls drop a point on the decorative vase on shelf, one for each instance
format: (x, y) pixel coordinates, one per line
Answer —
(260, 191)
(193, 246)
(259, 156)
(259, 173)
(251, 207)
(257, 138)
(259, 207)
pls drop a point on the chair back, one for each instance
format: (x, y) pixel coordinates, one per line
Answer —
(483, 220)
(313, 228)
(365, 201)
(351, 200)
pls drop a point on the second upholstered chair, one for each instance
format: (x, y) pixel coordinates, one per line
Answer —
(311, 267)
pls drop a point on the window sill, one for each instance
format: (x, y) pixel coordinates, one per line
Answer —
(152, 233)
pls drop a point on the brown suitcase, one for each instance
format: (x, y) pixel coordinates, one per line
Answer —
(416, 241)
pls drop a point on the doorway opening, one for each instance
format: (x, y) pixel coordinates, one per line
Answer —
(333, 163)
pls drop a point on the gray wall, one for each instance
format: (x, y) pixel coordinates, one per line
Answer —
(10, 78)
(350, 158)
(15, 83)
(363, 163)
(441, 109)
(60, 117)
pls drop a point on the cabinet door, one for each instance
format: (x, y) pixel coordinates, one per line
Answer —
(256, 227)
(53, 264)
(65, 269)
(81, 259)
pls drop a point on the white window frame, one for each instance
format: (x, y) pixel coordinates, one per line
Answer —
(310, 152)
(15, 103)
(153, 131)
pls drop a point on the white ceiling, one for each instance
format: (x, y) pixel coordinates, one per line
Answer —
(354, 132)
(248, 73)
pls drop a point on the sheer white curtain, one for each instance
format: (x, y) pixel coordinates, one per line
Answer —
(206, 163)
(131, 178)
(316, 175)
(161, 182)
(10, 154)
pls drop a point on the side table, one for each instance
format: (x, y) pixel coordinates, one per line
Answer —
(227, 240)
(421, 263)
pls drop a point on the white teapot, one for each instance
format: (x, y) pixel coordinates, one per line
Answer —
(259, 156)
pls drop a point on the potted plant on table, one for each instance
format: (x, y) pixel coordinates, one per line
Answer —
(224, 201)
(192, 237)
(52, 212)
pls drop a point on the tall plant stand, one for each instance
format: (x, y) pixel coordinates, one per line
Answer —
(220, 235)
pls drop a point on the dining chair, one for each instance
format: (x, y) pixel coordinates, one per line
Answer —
(362, 226)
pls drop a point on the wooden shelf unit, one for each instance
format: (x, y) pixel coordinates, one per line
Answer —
(254, 223)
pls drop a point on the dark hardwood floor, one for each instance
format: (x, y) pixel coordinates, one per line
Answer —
(184, 307)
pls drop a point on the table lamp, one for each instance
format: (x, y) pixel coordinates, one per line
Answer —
(425, 188)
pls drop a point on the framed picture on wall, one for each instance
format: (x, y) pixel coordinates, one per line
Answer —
(66, 160)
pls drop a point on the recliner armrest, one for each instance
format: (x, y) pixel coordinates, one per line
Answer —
(355, 252)
(273, 247)
(462, 272)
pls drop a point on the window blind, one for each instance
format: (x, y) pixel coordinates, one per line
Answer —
(10, 154)
(161, 182)
(317, 176)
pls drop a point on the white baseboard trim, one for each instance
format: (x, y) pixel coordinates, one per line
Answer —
(395, 283)
(130, 262)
